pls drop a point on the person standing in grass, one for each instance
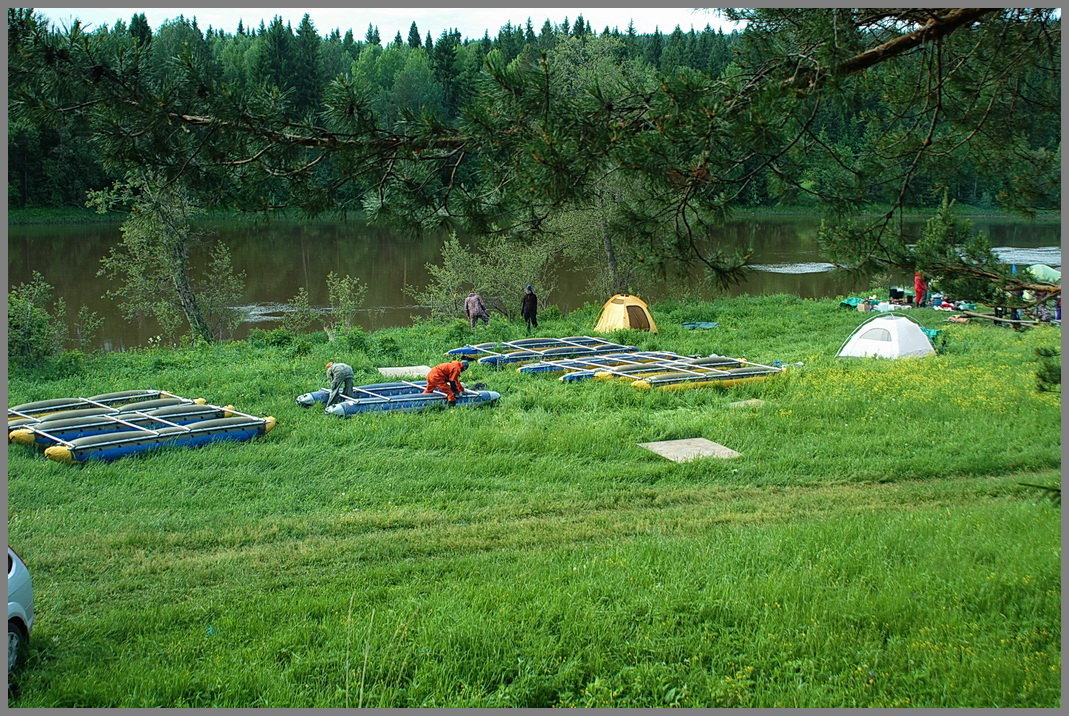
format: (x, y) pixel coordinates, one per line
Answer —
(476, 309)
(529, 308)
(446, 378)
(341, 382)
(920, 288)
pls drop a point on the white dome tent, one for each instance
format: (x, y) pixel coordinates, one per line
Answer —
(887, 336)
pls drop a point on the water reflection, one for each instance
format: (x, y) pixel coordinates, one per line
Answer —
(280, 257)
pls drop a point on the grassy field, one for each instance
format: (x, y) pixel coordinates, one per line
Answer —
(872, 546)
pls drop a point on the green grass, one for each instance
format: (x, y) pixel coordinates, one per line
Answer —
(871, 547)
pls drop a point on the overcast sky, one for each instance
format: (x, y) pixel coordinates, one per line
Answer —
(471, 22)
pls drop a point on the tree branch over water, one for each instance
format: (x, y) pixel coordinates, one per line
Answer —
(851, 108)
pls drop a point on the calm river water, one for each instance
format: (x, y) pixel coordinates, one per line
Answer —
(280, 257)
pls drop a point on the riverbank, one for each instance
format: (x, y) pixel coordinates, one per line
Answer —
(975, 213)
(75, 215)
(872, 546)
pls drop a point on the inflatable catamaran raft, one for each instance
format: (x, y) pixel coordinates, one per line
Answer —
(110, 426)
(535, 349)
(648, 370)
(609, 359)
(715, 371)
(401, 395)
(44, 407)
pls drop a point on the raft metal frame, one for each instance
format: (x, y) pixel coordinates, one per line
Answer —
(386, 399)
(184, 428)
(511, 344)
(90, 401)
(137, 413)
(620, 361)
(678, 367)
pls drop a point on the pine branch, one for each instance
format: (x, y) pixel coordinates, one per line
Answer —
(936, 27)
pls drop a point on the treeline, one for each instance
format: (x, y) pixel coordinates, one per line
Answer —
(54, 165)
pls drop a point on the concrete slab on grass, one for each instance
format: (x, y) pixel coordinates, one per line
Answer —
(689, 449)
(406, 371)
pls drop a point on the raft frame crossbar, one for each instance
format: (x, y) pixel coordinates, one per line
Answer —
(621, 361)
(675, 367)
(159, 394)
(184, 428)
(588, 361)
(466, 391)
(389, 399)
(138, 413)
(511, 344)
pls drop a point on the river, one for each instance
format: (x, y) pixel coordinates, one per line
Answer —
(279, 257)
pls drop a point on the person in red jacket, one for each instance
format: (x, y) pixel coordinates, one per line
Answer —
(446, 378)
(920, 287)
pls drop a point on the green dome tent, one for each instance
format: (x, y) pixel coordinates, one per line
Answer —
(1045, 273)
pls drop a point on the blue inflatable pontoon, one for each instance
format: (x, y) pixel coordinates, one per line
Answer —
(392, 396)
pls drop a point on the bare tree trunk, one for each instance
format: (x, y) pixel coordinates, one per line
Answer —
(616, 283)
(616, 280)
(186, 296)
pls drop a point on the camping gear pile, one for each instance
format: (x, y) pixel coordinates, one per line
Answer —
(114, 425)
(402, 396)
(1045, 273)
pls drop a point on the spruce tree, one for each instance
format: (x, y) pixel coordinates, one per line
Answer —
(579, 29)
(140, 30)
(306, 78)
(845, 107)
(654, 47)
(276, 59)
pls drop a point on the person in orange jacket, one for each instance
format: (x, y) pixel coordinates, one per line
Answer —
(446, 378)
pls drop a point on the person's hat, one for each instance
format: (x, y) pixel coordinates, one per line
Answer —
(464, 364)
(330, 363)
(529, 288)
(471, 293)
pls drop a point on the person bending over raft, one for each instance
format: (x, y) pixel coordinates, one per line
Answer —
(446, 378)
(341, 382)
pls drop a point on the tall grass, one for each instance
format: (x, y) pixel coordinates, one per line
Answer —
(871, 547)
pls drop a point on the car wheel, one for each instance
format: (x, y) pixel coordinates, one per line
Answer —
(16, 644)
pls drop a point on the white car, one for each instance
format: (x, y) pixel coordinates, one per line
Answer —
(19, 609)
